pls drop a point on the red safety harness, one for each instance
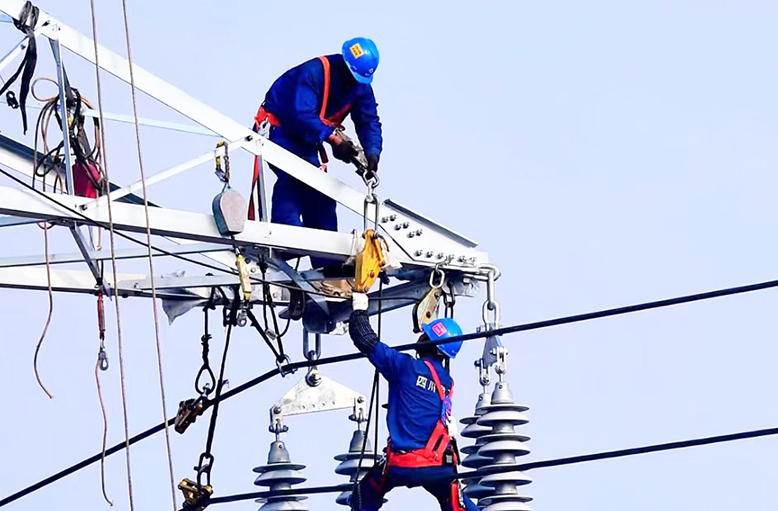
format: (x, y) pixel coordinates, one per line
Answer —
(432, 454)
(334, 120)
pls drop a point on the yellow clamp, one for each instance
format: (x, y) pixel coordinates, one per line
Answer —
(196, 496)
(369, 262)
(245, 280)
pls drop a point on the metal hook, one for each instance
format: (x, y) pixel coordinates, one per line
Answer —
(102, 358)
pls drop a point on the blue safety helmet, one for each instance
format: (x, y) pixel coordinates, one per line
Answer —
(361, 56)
(443, 329)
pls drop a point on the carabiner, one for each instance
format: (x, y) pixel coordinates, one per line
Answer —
(102, 358)
(441, 278)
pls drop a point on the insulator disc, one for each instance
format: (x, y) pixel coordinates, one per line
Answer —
(342, 499)
(478, 491)
(475, 430)
(278, 477)
(471, 449)
(279, 466)
(512, 446)
(502, 436)
(516, 477)
(502, 417)
(508, 506)
(476, 461)
(284, 505)
(349, 467)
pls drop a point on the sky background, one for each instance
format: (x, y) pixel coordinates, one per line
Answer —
(603, 153)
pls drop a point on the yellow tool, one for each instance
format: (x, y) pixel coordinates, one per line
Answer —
(369, 262)
(196, 496)
(245, 280)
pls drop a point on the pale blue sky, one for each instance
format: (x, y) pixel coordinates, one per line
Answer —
(603, 153)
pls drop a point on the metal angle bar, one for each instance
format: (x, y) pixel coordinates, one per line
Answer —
(10, 221)
(91, 263)
(231, 130)
(395, 297)
(301, 283)
(73, 281)
(15, 52)
(182, 224)
(19, 157)
(154, 123)
(132, 253)
(160, 176)
(63, 112)
(172, 126)
(172, 282)
(144, 81)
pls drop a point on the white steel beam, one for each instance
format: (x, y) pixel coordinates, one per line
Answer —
(438, 245)
(74, 281)
(144, 81)
(102, 255)
(179, 224)
(161, 176)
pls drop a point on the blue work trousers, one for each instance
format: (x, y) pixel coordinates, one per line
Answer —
(295, 203)
(439, 481)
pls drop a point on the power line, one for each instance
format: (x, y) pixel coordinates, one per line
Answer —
(523, 467)
(406, 347)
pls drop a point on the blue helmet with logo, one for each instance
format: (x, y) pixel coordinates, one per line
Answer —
(361, 56)
(443, 329)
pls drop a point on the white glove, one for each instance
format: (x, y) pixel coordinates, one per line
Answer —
(359, 301)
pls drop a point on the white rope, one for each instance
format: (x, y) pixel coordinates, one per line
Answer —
(104, 164)
(150, 256)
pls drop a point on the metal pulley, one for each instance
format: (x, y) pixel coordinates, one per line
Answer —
(369, 262)
(280, 474)
(229, 207)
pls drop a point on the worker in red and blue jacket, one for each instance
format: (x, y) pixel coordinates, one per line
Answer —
(304, 106)
(421, 451)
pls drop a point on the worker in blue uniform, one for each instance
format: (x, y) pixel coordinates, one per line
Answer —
(304, 108)
(420, 452)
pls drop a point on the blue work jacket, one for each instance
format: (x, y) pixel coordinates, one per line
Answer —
(414, 404)
(295, 98)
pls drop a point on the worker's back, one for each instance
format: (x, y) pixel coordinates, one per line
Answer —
(295, 99)
(414, 404)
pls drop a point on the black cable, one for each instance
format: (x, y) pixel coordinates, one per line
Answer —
(378, 389)
(648, 449)
(302, 491)
(133, 440)
(205, 463)
(255, 323)
(406, 347)
(523, 467)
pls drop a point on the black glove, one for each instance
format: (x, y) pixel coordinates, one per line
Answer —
(342, 149)
(372, 163)
(371, 172)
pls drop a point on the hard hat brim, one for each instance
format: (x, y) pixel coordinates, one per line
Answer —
(361, 79)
